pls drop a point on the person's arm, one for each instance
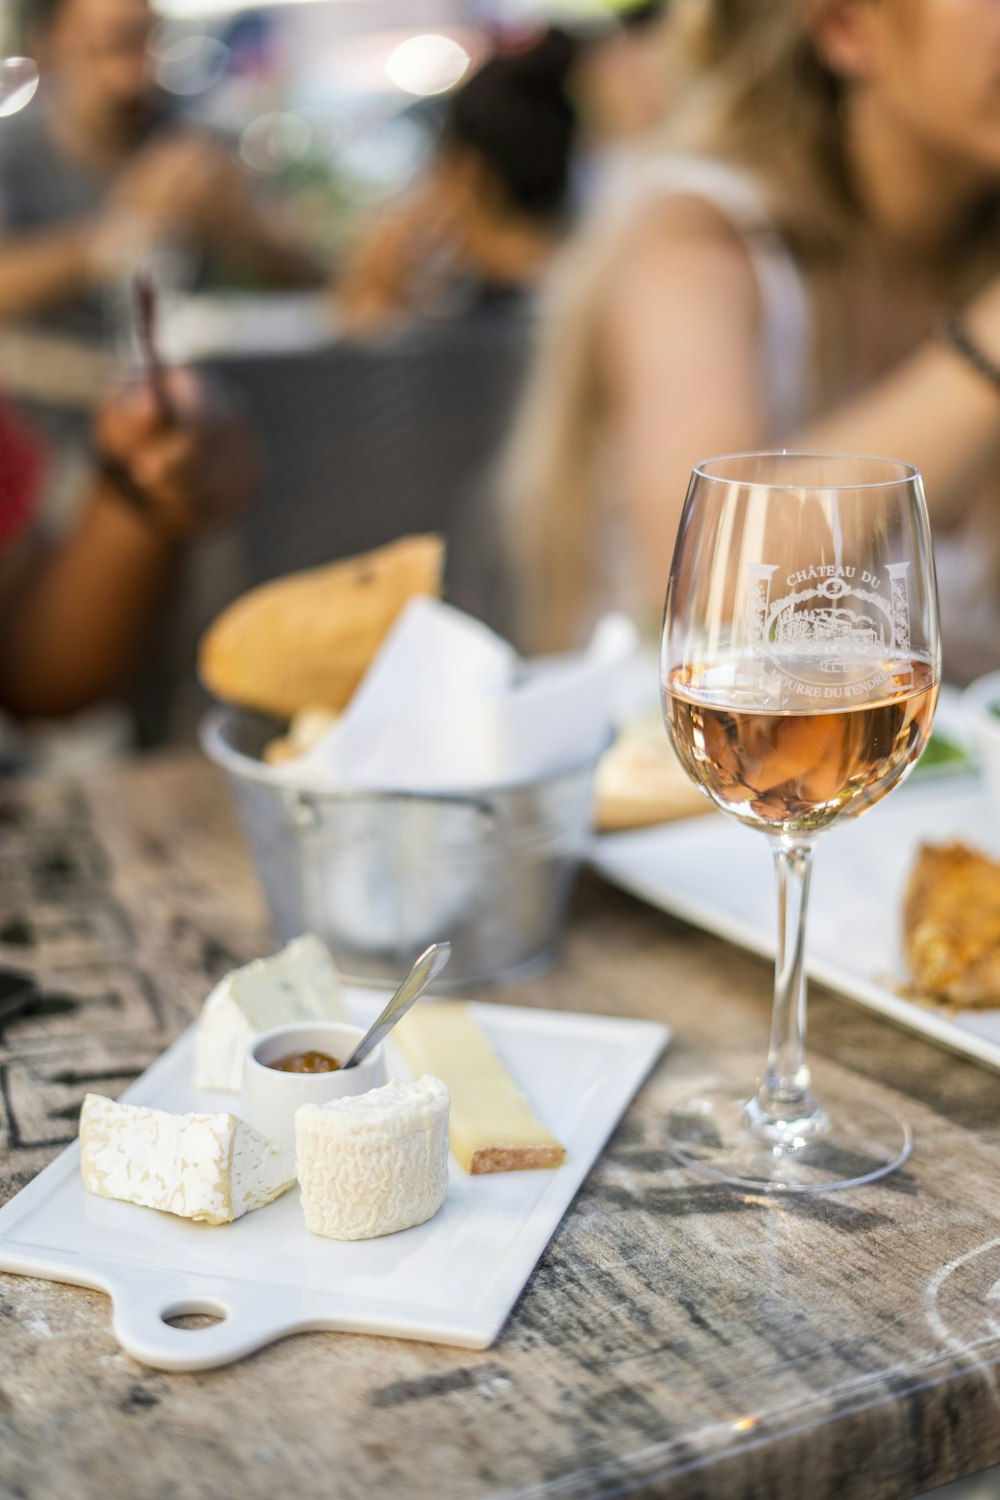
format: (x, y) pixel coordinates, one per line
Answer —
(188, 184)
(192, 182)
(380, 278)
(934, 410)
(75, 628)
(41, 267)
(680, 336)
(681, 342)
(254, 246)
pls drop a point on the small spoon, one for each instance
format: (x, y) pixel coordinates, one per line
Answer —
(427, 967)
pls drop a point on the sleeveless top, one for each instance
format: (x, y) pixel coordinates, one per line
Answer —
(786, 320)
(786, 383)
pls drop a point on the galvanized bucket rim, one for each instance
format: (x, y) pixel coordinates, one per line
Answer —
(218, 750)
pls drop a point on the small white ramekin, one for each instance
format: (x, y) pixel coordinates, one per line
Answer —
(271, 1097)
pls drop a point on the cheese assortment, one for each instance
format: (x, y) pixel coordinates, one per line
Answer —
(369, 1164)
(210, 1167)
(493, 1127)
(300, 983)
(375, 1163)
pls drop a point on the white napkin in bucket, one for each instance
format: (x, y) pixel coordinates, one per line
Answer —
(447, 706)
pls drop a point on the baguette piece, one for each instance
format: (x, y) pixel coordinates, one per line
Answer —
(492, 1126)
(307, 640)
(951, 925)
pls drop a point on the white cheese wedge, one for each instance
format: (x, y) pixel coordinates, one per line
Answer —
(300, 983)
(493, 1127)
(210, 1167)
(373, 1163)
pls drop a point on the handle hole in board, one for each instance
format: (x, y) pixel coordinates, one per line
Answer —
(195, 1315)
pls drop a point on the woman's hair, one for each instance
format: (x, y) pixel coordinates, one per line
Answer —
(515, 114)
(756, 94)
(761, 97)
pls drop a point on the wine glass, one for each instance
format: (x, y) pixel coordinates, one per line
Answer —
(799, 670)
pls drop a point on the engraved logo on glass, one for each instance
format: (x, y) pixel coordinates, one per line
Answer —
(824, 619)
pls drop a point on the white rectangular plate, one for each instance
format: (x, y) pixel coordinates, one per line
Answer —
(452, 1280)
(717, 874)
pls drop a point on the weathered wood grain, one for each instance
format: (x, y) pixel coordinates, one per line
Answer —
(676, 1339)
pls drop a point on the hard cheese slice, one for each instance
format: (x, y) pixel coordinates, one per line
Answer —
(210, 1167)
(300, 983)
(493, 1127)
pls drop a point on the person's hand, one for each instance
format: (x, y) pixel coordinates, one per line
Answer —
(187, 184)
(189, 469)
(382, 281)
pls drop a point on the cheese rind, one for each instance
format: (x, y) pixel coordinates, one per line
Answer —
(493, 1127)
(300, 983)
(375, 1163)
(210, 1167)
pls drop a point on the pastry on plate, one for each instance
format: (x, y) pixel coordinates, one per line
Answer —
(640, 781)
(951, 925)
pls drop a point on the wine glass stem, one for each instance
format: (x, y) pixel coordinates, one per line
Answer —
(785, 1108)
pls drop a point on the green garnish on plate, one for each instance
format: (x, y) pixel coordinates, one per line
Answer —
(942, 753)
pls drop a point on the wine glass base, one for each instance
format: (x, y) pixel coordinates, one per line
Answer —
(860, 1142)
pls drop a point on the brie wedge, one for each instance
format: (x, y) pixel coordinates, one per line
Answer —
(373, 1163)
(300, 983)
(210, 1167)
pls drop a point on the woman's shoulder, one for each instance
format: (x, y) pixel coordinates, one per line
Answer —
(668, 212)
(700, 234)
(669, 209)
(698, 191)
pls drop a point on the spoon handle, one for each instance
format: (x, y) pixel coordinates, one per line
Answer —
(427, 967)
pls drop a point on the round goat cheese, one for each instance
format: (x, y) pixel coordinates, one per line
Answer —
(374, 1163)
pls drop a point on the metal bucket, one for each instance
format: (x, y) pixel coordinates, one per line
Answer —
(379, 875)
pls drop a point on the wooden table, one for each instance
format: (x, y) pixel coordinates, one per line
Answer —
(677, 1338)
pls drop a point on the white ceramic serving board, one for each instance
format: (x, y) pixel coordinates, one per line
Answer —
(452, 1280)
(717, 874)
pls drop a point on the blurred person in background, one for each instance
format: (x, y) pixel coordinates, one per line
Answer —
(77, 614)
(813, 261)
(483, 223)
(622, 85)
(100, 170)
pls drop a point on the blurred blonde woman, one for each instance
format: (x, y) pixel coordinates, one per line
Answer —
(813, 262)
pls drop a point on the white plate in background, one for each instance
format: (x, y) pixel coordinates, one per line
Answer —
(717, 874)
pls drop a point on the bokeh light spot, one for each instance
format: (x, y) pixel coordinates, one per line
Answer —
(18, 82)
(425, 65)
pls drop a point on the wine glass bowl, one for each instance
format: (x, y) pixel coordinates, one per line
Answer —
(799, 669)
